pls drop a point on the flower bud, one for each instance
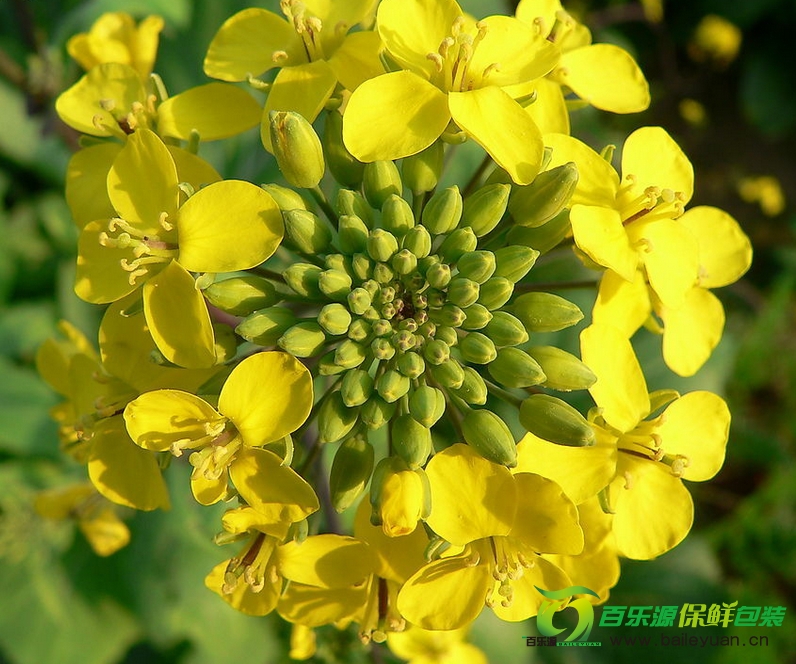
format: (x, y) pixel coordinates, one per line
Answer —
(443, 211)
(495, 292)
(351, 471)
(421, 171)
(485, 208)
(335, 419)
(477, 265)
(397, 216)
(411, 440)
(361, 267)
(382, 349)
(476, 317)
(334, 319)
(354, 204)
(285, 198)
(543, 238)
(376, 412)
(545, 312)
(383, 273)
(537, 203)
(349, 354)
(264, 327)
(436, 351)
(335, 284)
(404, 262)
(306, 231)
(438, 275)
(506, 330)
(457, 244)
(418, 241)
(303, 339)
(380, 181)
(327, 367)
(345, 168)
(515, 368)
(297, 149)
(490, 437)
(303, 279)
(381, 245)
(240, 296)
(359, 330)
(392, 385)
(381, 328)
(356, 388)
(358, 301)
(462, 291)
(427, 405)
(447, 334)
(449, 314)
(473, 389)
(411, 365)
(352, 234)
(514, 262)
(564, 371)
(556, 421)
(339, 262)
(448, 374)
(477, 348)
(398, 496)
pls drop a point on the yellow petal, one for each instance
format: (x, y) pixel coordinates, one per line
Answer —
(401, 500)
(697, 426)
(620, 390)
(208, 491)
(177, 317)
(670, 169)
(549, 110)
(499, 125)
(227, 226)
(623, 304)
(526, 599)
(599, 233)
(471, 497)
(394, 116)
(86, 177)
(267, 396)
(243, 598)
(357, 59)
(692, 331)
(423, 646)
(326, 561)
(314, 607)
(528, 11)
(597, 180)
(105, 532)
(192, 169)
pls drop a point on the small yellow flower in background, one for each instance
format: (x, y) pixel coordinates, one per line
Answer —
(114, 37)
(420, 646)
(693, 112)
(766, 191)
(715, 40)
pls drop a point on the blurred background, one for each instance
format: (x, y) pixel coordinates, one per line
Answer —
(721, 85)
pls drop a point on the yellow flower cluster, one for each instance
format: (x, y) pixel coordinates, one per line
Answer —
(374, 306)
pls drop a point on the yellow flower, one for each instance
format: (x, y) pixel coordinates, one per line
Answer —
(716, 40)
(420, 646)
(453, 70)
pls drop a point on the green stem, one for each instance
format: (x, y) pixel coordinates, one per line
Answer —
(476, 177)
(320, 198)
(503, 394)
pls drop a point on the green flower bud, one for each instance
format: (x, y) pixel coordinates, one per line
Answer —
(564, 371)
(404, 262)
(334, 318)
(411, 440)
(327, 367)
(377, 412)
(457, 244)
(543, 238)
(372, 286)
(359, 330)
(477, 265)
(380, 181)
(241, 296)
(443, 211)
(382, 328)
(226, 345)
(297, 149)
(556, 421)
(335, 419)
(403, 340)
(421, 171)
(495, 292)
(485, 208)
(352, 234)
(427, 405)
(306, 231)
(477, 348)
(371, 314)
(447, 334)
(434, 298)
(345, 168)
(361, 267)
(383, 273)
(356, 388)
(545, 312)
(351, 471)
(438, 275)
(473, 389)
(339, 262)
(335, 284)
(463, 292)
(476, 317)
(264, 327)
(449, 314)
(488, 435)
(285, 198)
(303, 339)
(381, 245)
(537, 203)
(436, 351)
(514, 262)
(411, 365)
(448, 374)
(506, 330)
(418, 241)
(303, 279)
(358, 301)
(382, 349)
(515, 368)
(397, 216)
(349, 354)
(352, 203)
